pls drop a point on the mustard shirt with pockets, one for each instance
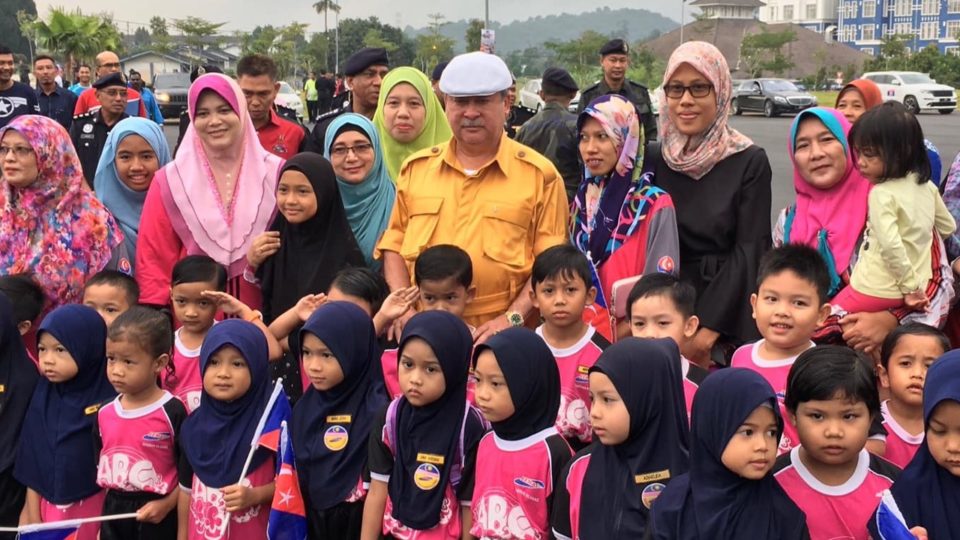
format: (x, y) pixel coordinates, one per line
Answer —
(508, 212)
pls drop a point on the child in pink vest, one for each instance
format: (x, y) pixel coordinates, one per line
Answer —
(520, 461)
(137, 433)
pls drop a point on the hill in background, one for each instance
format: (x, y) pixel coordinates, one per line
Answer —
(631, 24)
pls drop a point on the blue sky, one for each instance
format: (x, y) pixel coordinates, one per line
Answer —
(246, 14)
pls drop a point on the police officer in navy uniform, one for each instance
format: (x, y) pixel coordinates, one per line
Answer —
(89, 131)
(553, 130)
(615, 60)
(365, 70)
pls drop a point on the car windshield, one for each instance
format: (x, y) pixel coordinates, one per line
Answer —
(285, 88)
(916, 78)
(779, 86)
(172, 80)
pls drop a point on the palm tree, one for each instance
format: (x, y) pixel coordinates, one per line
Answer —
(75, 35)
(326, 6)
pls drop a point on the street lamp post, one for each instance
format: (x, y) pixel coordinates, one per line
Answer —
(486, 14)
(336, 40)
(683, 12)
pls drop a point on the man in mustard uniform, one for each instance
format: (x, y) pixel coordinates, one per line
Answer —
(500, 201)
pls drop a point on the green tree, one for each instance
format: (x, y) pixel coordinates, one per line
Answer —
(353, 32)
(10, 27)
(316, 50)
(474, 31)
(141, 38)
(433, 46)
(325, 7)
(763, 52)
(579, 56)
(160, 35)
(198, 32)
(893, 54)
(374, 38)
(74, 35)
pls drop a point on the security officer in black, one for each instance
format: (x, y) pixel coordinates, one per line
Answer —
(615, 59)
(553, 131)
(89, 131)
(365, 70)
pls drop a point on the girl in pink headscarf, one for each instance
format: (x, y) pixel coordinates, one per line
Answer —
(213, 199)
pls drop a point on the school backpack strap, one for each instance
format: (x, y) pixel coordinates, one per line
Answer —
(456, 468)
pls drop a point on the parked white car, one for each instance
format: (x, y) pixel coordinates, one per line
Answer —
(917, 91)
(288, 97)
(529, 97)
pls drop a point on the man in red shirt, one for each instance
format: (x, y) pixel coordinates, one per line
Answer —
(257, 77)
(108, 62)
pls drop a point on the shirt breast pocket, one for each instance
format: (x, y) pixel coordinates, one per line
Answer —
(505, 229)
(424, 213)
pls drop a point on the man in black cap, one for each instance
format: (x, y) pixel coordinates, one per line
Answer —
(435, 81)
(89, 131)
(365, 70)
(615, 60)
(553, 131)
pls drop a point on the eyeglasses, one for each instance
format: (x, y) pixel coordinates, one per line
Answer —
(697, 90)
(18, 151)
(357, 149)
(111, 65)
(115, 92)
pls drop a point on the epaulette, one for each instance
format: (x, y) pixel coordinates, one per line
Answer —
(84, 116)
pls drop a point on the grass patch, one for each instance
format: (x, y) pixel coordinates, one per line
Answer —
(826, 99)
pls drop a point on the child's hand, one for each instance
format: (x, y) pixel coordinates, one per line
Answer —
(395, 330)
(237, 497)
(398, 303)
(916, 300)
(919, 532)
(154, 511)
(226, 303)
(308, 304)
(264, 246)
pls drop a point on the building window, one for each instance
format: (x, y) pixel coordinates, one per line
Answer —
(903, 8)
(931, 7)
(773, 13)
(812, 11)
(788, 13)
(903, 29)
(868, 50)
(953, 6)
(952, 50)
(928, 30)
(953, 30)
(870, 8)
(867, 32)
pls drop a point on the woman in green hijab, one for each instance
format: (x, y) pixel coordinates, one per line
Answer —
(409, 117)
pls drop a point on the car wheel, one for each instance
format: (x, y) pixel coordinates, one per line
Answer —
(946, 111)
(911, 104)
(736, 108)
(768, 109)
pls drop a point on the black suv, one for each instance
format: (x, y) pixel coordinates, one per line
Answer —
(771, 97)
(171, 90)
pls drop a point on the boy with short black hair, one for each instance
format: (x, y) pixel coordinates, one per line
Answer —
(27, 299)
(831, 402)
(562, 288)
(789, 305)
(662, 306)
(111, 293)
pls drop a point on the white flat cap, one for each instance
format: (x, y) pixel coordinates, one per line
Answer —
(475, 74)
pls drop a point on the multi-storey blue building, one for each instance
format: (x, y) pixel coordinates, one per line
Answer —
(863, 23)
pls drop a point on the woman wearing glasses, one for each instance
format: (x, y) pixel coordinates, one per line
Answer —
(625, 225)
(51, 225)
(720, 183)
(353, 146)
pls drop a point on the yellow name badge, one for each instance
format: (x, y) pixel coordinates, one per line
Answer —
(430, 458)
(583, 370)
(339, 419)
(3, 388)
(91, 409)
(652, 477)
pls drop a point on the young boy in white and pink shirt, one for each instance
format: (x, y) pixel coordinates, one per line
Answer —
(789, 305)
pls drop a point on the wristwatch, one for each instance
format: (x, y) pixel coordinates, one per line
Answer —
(515, 318)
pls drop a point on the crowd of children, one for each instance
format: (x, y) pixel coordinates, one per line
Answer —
(532, 434)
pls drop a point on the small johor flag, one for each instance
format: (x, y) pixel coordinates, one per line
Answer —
(67, 531)
(890, 522)
(277, 412)
(288, 517)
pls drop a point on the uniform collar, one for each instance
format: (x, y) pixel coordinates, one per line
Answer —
(98, 118)
(553, 106)
(605, 88)
(506, 153)
(56, 90)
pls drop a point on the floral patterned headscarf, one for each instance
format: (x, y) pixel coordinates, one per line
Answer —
(608, 208)
(696, 155)
(54, 228)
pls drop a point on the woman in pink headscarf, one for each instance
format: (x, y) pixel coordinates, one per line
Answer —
(213, 199)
